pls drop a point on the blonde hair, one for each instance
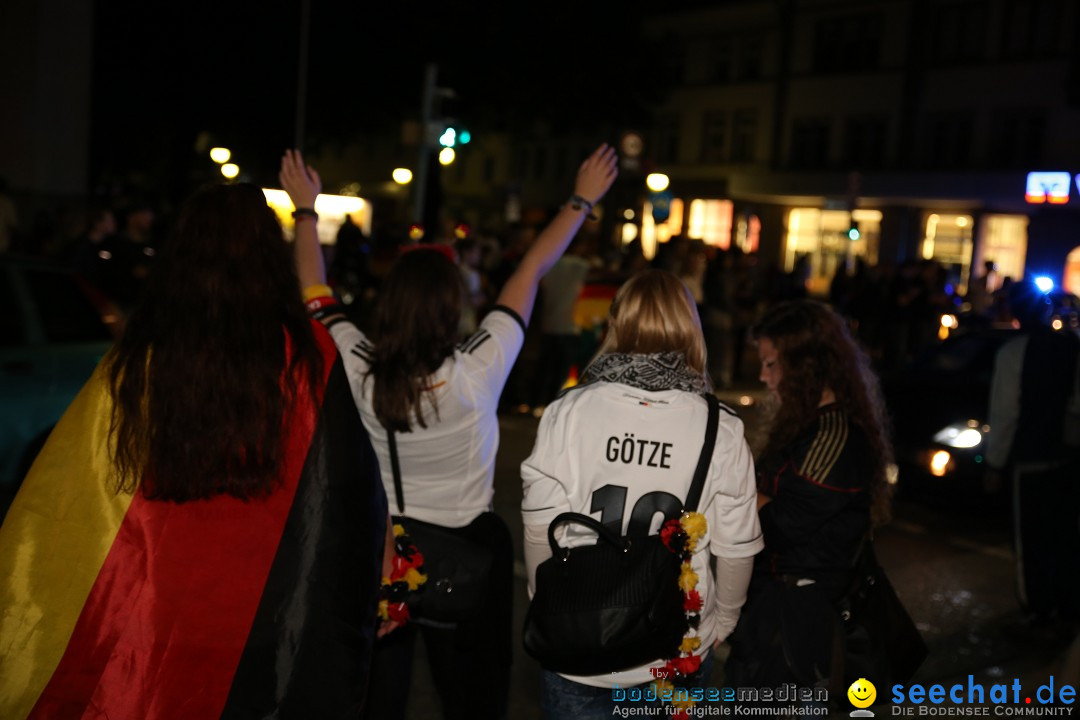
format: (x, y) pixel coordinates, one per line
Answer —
(654, 312)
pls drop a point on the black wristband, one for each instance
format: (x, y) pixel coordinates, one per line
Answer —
(577, 202)
(305, 212)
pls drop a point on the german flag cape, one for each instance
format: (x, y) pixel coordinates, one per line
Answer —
(112, 605)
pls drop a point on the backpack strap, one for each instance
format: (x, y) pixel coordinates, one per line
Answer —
(698, 484)
(395, 467)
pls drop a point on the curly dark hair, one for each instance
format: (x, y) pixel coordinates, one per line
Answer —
(213, 355)
(416, 328)
(817, 351)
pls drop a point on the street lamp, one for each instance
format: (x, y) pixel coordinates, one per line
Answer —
(446, 156)
(657, 182)
(220, 155)
(230, 170)
(402, 176)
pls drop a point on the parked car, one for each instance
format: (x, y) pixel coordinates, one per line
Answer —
(54, 329)
(939, 407)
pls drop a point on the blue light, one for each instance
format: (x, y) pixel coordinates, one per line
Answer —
(1044, 283)
(464, 137)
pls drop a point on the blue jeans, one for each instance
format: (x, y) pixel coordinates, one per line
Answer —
(562, 699)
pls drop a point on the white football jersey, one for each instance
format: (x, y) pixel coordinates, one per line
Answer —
(447, 468)
(627, 457)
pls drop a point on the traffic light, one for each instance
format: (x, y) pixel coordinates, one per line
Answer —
(853, 232)
(452, 136)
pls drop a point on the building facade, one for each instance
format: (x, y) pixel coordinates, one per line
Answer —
(888, 130)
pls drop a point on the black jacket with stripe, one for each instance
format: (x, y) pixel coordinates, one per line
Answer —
(820, 485)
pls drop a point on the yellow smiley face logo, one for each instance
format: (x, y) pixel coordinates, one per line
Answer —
(862, 693)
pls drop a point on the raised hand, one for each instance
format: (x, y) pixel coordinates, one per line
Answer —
(597, 173)
(299, 180)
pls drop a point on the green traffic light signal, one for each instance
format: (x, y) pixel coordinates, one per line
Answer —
(853, 233)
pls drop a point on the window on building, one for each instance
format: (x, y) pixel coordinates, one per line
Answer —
(809, 144)
(1016, 139)
(669, 58)
(714, 136)
(865, 140)
(848, 43)
(948, 141)
(948, 241)
(1004, 241)
(653, 233)
(721, 55)
(666, 139)
(1031, 28)
(751, 52)
(959, 34)
(744, 135)
(822, 236)
(1071, 276)
(710, 221)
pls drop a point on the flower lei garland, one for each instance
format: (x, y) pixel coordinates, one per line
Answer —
(681, 536)
(406, 575)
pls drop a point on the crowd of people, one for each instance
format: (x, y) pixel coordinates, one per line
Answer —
(229, 487)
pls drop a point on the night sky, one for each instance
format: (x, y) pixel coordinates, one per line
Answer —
(164, 73)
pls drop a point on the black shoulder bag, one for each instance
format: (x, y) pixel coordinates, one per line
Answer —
(616, 604)
(458, 568)
(880, 639)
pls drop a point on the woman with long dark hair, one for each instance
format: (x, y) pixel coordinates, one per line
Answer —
(429, 400)
(202, 534)
(822, 485)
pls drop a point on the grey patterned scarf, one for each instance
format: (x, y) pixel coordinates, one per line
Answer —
(657, 371)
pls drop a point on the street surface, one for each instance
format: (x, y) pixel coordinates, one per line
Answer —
(952, 568)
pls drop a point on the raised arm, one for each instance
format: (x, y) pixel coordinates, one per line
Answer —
(593, 180)
(303, 185)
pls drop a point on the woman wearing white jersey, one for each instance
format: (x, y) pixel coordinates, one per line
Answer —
(438, 397)
(646, 383)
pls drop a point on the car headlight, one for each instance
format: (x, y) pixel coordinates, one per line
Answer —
(960, 435)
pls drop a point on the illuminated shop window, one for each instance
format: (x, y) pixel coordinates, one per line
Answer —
(332, 210)
(653, 233)
(825, 236)
(1003, 240)
(747, 233)
(948, 241)
(710, 221)
(1071, 275)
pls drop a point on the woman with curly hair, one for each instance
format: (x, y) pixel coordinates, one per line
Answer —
(822, 486)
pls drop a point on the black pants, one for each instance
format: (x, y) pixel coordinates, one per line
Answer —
(470, 664)
(1047, 504)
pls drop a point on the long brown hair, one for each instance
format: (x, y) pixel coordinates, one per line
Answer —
(197, 379)
(416, 328)
(816, 351)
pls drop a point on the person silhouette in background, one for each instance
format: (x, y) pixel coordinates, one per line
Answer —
(1034, 441)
